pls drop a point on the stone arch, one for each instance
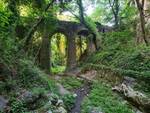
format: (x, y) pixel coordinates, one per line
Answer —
(59, 30)
(70, 30)
(71, 47)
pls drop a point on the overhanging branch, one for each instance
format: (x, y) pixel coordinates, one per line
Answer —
(35, 25)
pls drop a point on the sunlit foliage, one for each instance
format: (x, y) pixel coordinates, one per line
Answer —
(58, 51)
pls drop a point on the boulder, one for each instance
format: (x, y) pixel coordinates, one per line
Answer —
(129, 81)
(32, 100)
(60, 103)
(136, 98)
(96, 110)
(60, 109)
(54, 99)
(3, 103)
(28, 97)
(62, 90)
(49, 111)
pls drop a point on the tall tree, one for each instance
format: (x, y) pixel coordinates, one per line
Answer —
(140, 6)
(81, 11)
(114, 4)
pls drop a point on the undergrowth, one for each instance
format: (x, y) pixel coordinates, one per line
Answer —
(101, 97)
(69, 101)
(28, 79)
(120, 51)
(19, 74)
(71, 83)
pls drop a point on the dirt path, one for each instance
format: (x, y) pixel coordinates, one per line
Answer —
(81, 93)
(85, 90)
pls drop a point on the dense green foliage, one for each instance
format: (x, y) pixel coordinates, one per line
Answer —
(102, 98)
(71, 83)
(120, 52)
(58, 48)
(28, 28)
(69, 101)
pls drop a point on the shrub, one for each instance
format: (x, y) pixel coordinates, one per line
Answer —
(17, 106)
(69, 101)
(29, 75)
(71, 83)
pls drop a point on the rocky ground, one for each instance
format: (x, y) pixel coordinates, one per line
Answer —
(73, 89)
(124, 89)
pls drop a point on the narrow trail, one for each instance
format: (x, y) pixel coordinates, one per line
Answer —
(81, 93)
(85, 89)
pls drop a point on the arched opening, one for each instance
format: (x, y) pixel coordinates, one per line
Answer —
(85, 44)
(81, 45)
(58, 53)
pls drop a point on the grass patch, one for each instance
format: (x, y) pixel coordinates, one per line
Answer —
(69, 101)
(58, 69)
(101, 96)
(71, 83)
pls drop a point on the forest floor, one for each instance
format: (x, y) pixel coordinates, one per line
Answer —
(94, 95)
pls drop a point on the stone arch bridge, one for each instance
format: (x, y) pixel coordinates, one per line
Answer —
(71, 30)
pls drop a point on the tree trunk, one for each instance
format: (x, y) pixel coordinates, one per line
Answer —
(140, 7)
(81, 11)
(116, 13)
(115, 10)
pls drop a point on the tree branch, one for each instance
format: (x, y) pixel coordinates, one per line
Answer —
(76, 16)
(112, 6)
